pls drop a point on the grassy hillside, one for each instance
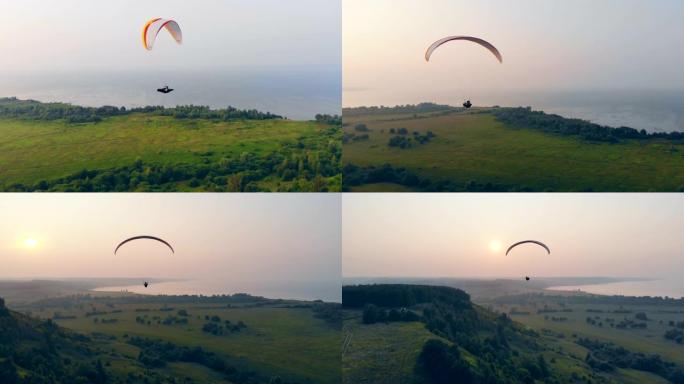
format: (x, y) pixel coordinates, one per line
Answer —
(454, 339)
(33, 351)
(163, 149)
(381, 353)
(219, 339)
(475, 151)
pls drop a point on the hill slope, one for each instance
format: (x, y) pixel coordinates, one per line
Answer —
(441, 148)
(463, 342)
(59, 147)
(238, 339)
(33, 351)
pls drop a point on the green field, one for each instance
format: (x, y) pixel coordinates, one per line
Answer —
(475, 147)
(649, 340)
(381, 353)
(560, 336)
(256, 151)
(281, 338)
(272, 332)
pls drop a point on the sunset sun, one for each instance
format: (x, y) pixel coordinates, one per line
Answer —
(31, 243)
(494, 246)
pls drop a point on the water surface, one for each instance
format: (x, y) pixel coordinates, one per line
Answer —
(294, 93)
(329, 291)
(665, 287)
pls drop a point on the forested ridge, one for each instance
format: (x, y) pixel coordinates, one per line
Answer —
(483, 347)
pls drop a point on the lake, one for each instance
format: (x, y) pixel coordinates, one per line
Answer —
(666, 287)
(294, 93)
(329, 291)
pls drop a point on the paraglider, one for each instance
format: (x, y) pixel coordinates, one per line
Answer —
(431, 49)
(149, 36)
(475, 40)
(154, 26)
(527, 278)
(531, 242)
(165, 89)
(144, 237)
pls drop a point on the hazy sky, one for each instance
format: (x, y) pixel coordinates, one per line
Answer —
(466, 235)
(546, 45)
(238, 237)
(82, 34)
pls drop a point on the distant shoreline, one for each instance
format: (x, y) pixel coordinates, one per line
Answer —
(626, 288)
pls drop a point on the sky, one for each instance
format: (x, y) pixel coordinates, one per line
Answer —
(269, 238)
(68, 35)
(546, 46)
(466, 235)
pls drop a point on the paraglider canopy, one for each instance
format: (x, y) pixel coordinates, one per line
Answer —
(144, 237)
(475, 40)
(531, 242)
(154, 26)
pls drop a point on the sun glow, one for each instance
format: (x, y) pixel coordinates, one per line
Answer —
(495, 246)
(30, 243)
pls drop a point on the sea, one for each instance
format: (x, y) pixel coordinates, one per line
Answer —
(297, 94)
(651, 110)
(328, 291)
(673, 288)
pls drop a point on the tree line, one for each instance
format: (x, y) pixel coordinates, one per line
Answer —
(616, 300)
(527, 118)
(399, 295)
(607, 357)
(355, 175)
(398, 109)
(34, 110)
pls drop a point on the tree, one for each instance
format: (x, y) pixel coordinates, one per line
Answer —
(445, 365)
(361, 128)
(370, 314)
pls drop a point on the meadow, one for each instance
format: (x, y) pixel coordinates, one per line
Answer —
(648, 340)
(475, 151)
(262, 339)
(151, 151)
(381, 353)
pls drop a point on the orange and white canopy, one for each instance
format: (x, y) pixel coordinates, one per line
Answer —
(154, 26)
